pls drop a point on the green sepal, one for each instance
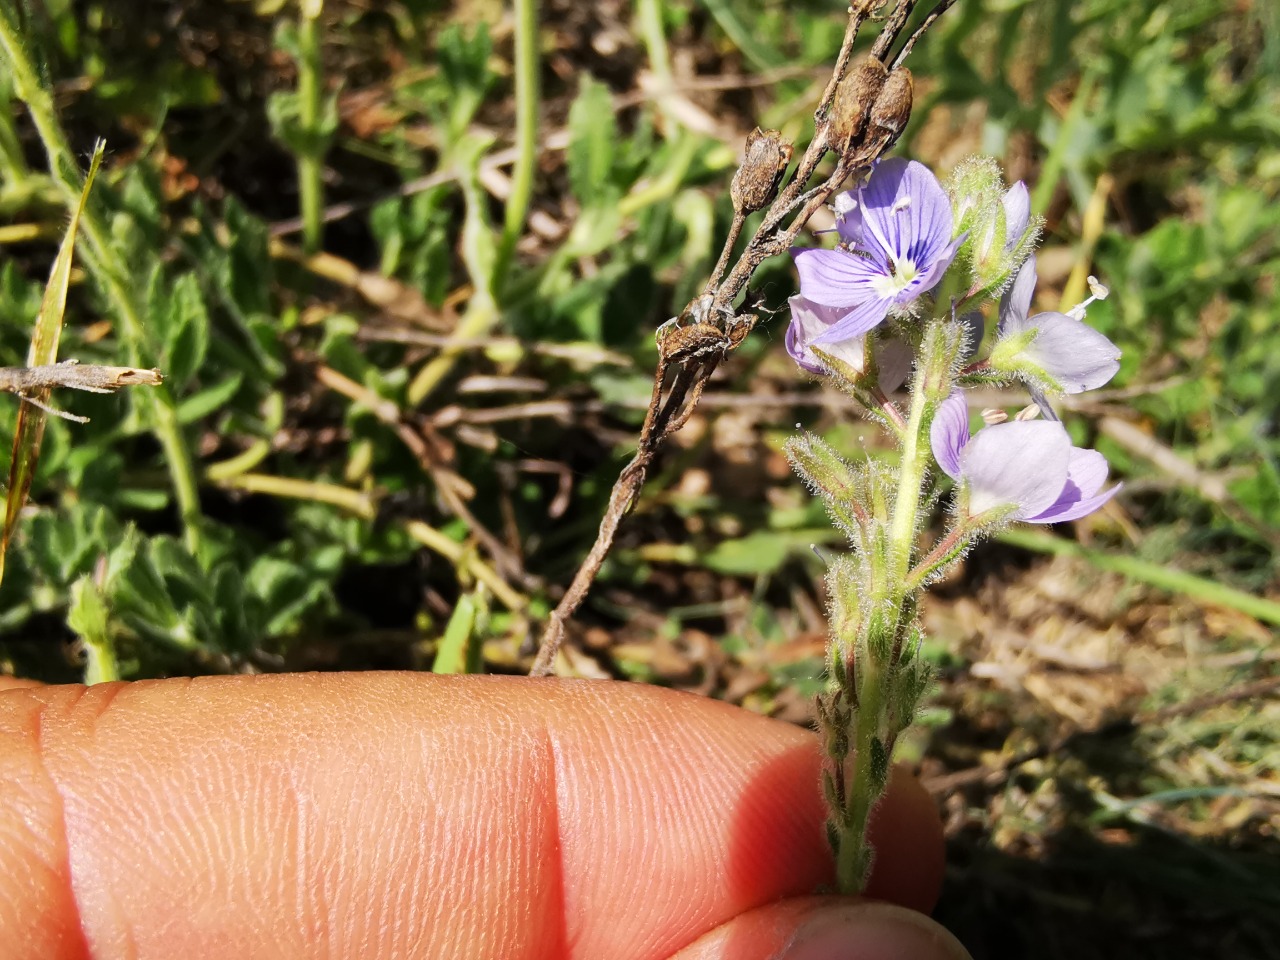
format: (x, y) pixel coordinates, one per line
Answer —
(829, 476)
(879, 760)
(830, 793)
(1008, 357)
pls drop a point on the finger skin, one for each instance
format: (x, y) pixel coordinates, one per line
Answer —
(827, 927)
(393, 814)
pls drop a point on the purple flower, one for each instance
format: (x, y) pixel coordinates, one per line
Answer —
(1067, 351)
(898, 236)
(1029, 465)
(1017, 214)
(809, 321)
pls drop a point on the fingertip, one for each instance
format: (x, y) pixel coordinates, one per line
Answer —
(907, 835)
(827, 928)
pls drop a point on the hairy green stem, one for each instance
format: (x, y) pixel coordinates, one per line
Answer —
(110, 272)
(878, 648)
(853, 857)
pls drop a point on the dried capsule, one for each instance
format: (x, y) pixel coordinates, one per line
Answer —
(756, 183)
(892, 109)
(858, 91)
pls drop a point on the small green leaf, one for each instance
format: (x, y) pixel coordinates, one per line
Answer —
(87, 617)
(199, 405)
(592, 134)
(186, 331)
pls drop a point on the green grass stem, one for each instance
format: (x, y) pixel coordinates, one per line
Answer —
(1152, 574)
(310, 105)
(526, 89)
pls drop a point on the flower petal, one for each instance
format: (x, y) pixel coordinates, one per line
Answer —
(1071, 351)
(1040, 400)
(864, 317)
(949, 433)
(894, 359)
(835, 278)
(1017, 214)
(934, 271)
(1087, 470)
(906, 212)
(1019, 463)
(1016, 302)
(810, 320)
(848, 217)
(1086, 473)
(1074, 510)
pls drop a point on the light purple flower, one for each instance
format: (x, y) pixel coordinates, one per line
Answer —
(899, 235)
(1029, 465)
(1017, 214)
(1072, 353)
(809, 321)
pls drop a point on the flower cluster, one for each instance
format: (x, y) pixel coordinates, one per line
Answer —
(898, 301)
(900, 236)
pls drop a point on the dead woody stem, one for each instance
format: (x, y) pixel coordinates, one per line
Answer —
(33, 384)
(862, 113)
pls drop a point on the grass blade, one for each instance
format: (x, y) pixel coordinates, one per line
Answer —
(29, 429)
(1153, 574)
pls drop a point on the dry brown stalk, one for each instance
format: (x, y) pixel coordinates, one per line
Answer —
(33, 384)
(861, 114)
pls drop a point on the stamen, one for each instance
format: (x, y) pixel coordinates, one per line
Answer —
(1099, 291)
(994, 415)
(1029, 412)
(900, 205)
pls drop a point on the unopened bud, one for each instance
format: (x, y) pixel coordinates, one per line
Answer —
(892, 108)
(756, 183)
(853, 103)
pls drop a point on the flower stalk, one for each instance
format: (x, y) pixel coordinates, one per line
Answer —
(906, 245)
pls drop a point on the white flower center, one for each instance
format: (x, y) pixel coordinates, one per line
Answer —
(900, 276)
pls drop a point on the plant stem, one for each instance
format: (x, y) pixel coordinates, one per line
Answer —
(310, 105)
(853, 858)
(110, 272)
(526, 68)
(878, 649)
(902, 534)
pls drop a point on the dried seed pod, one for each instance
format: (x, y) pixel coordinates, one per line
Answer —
(756, 183)
(858, 91)
(892, 109)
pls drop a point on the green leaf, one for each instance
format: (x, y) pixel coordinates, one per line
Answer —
(592, 133)
(87, 617)
(762, 551)
(186, 332)
(199, 405)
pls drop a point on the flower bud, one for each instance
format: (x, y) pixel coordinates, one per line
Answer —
(975, 187)
(756, 183)
(853, 103)
(987, 248)
(892, 109)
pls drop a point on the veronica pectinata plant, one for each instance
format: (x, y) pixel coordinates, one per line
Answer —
(899, 300)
